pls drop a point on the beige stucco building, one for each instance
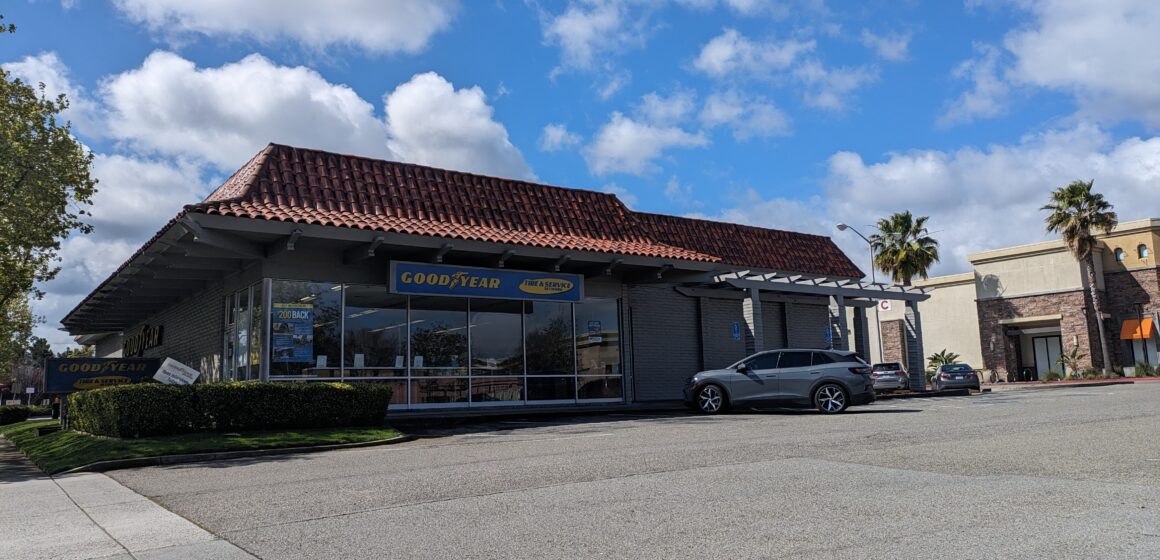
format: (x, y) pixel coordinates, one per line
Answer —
(1020, 308)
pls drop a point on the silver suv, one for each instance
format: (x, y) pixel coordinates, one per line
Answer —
(829, 380)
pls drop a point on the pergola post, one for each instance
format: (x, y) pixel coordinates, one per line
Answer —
(755, 330)
(840, 338)
(916, 358)
(862, 333)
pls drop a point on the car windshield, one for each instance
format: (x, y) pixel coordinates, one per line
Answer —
(958, 368)
(888, 367)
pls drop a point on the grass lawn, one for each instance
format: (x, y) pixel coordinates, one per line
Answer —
(65, 450)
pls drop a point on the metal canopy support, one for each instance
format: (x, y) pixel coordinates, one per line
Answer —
(841, 338)
(755, 329)
(504, 257)
(446, 248)
(231, 243)
(560, 261)
(363, 252)
(612, 265)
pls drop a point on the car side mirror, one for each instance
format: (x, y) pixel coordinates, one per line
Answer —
(743, 369)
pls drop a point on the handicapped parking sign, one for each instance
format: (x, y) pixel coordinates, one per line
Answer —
(828, 336)
(736, 330)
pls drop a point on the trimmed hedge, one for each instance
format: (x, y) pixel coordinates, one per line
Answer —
(13, 413)
(153, 409)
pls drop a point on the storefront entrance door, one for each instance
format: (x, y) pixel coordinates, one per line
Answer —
(1048, 349)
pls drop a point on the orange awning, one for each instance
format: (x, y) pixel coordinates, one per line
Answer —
(1135, 329)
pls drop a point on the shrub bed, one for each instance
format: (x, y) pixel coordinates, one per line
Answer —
(13, 413)
(152, 409)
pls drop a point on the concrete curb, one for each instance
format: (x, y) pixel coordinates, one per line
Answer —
(161, 460)
(925, 395)
(1062, 385)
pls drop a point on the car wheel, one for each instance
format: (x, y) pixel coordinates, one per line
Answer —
(711, 399)
(831, 399)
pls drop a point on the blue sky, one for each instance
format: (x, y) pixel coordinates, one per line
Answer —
(787, 114)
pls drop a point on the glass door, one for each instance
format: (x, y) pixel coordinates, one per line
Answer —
(1048, 350)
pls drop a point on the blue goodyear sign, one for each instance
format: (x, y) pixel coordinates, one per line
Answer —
(69, 375)
(466, 281)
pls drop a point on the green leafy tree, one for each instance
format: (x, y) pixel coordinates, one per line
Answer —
(16, 321)
(1077, 214)
(45, 189)
(903, 248)
(82, 352)
(942, 358)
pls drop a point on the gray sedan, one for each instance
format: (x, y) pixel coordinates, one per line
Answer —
(829, 380)
(955, 376)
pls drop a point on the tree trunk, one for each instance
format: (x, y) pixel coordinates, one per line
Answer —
(1091, 273)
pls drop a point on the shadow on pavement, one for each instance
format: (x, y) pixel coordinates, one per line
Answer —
(14, 466)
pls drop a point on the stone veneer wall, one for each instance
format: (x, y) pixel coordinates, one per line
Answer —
(894, 343)
(1077, 325)
(1124, 290)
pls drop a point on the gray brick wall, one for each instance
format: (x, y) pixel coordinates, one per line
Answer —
(666, 341)
(192, 332)
(718, 349)
(808, 324)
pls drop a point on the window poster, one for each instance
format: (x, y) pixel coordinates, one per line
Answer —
(292, 332)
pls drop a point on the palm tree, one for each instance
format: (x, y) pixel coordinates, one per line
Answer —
(902, 247)
(942, 358)
(1076, 214)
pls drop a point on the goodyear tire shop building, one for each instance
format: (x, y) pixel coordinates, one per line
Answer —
(464, 291)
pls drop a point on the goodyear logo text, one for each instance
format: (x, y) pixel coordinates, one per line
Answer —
(450, 281)
(466, 281)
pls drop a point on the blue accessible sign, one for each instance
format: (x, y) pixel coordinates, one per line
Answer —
(68, 375)
(466, 281)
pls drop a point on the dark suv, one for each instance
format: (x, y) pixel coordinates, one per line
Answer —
(829, 380)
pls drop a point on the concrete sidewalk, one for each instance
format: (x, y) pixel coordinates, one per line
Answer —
(90, 515)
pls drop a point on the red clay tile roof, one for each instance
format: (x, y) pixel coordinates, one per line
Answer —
(753, 246)
(313, 187)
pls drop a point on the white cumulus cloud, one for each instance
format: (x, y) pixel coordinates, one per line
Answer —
(890, 46)
(557, 137)
(988, 96)
(46, 68)
(1101, 52)
(432, 123)
(731, 54)
(371, 25)
(626, 145)
(224, 115)
(748, 117)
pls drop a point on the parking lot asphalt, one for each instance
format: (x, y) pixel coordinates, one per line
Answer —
(1035, 474)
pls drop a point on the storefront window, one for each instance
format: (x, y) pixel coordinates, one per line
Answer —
(431, 350)
(550, 351)
(598, 349)
(242, 335)
(255, 330)
(439, 337)
(497, 339)
(305, 329)
(375, 340)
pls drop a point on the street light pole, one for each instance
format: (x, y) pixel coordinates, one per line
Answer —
(873, 279)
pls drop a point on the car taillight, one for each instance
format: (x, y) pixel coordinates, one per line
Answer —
(944, 376)
(873, 375)
(862, 370)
